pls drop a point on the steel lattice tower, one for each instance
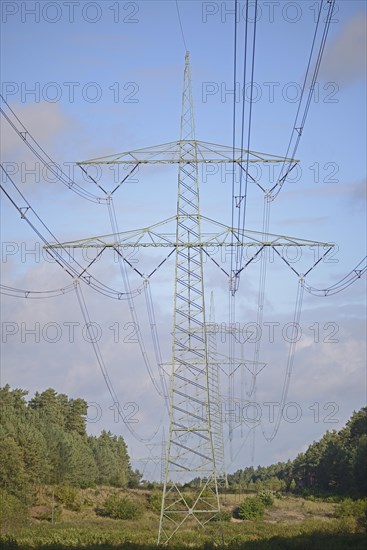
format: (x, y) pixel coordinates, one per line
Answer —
(190, 447)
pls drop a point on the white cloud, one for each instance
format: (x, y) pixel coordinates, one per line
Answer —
(44, 120)
(345, 60)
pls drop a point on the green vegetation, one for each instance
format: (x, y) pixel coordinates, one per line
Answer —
(155, 502)
(291, 522)
(44, 441)
(118, 507)
(266, 497)
(13, 513)
(62, 489)
(353, 511)
(335, 465)
(251, 508)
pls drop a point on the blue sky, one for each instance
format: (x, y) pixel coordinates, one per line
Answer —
(115, 84)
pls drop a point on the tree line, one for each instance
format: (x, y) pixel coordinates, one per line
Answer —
(337, 465)
(43, 441)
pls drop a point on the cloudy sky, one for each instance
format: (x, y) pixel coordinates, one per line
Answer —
(89, 79)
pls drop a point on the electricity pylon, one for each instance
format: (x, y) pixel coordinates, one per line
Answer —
(194, 433)
(191, 439)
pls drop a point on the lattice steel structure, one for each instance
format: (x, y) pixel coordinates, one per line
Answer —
(195, 443)
(191, 439)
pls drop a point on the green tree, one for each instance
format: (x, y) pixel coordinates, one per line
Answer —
(134, 479)
(360, 466)
(34, 451)
(75, 417)
(335, 466)
(80, 467)
(13, 476)
(45, 441)
(106, 458)
(50, 406)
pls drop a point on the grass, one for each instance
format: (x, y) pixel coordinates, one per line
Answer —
(290, 523)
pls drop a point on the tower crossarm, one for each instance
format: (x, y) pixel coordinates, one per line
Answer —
(151, 237)
(170, 153)
(202, 244)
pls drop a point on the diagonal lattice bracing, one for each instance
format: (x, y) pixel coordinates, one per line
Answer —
(171, 153)
(215, 400)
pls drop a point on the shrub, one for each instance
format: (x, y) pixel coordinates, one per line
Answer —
(266, 497)
(87, 501)
(117, 507)
(251, 508)
(13, 513)
(155, 502)
(356, 509)
(224, 515)
(351, 507)
(333, 498)
(69, 497)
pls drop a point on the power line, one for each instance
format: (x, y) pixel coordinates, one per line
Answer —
(41, 154)
(181, 27)
(354, 275)
(298, 126)
(242, 197)
(290, 362)
(239, 198)
(103, 368)
(134, 316)
(34, 294)
(240, 251)
(83, 274)
(234, 126)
